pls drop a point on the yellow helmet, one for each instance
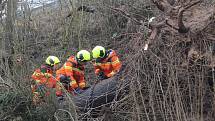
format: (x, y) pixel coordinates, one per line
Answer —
(83, 55)
(98, 52)
(52, 60)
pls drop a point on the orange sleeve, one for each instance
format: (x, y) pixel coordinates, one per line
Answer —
(59, 72)
(52, 82)
(68, 70)
(81, 79)
(82, 82)
(34, 75)
(59, 91)
(116, 64)
(37, 76)
(96, 68)
(70, 74)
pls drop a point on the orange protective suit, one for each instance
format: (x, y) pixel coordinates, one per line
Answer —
(42, 81)
(109, 65)
(74, 71)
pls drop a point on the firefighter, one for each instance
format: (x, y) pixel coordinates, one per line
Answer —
(71, 74)
(107, 63)
(43, 79)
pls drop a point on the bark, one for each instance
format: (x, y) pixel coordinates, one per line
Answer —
(98, 96)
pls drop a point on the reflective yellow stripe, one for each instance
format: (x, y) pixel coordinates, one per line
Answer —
(47, 75)
(82, 85)
(74, 69)
(35, 93)
(37, 81)
(116, 61)
(42, 74)
(68, 67)
(78, 70)
(73, 82)
(36, 74)
(107, 63)
(111, 74)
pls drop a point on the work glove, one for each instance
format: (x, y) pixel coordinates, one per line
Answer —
(73, 84)
(65, 80)
(111, 74)
(86, 87)
(78, 91)
(101, 76)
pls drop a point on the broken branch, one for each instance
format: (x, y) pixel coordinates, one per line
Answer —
(154, 33)
(163, 5)
(181, 26)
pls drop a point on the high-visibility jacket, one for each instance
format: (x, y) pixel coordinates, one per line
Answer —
(43, 80)
(109, 65)
(74, 71)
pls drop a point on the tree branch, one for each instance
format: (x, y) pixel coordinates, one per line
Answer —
(167, 23)
(163, 5)
(125, 14)
(181, 26)
(154, 33)
(171, 2)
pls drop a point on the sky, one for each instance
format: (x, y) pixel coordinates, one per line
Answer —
(32, 4)
(39, 3)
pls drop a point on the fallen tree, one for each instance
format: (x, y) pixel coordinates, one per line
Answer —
(100, 95)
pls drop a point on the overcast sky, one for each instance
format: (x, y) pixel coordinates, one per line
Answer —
(39, 3)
